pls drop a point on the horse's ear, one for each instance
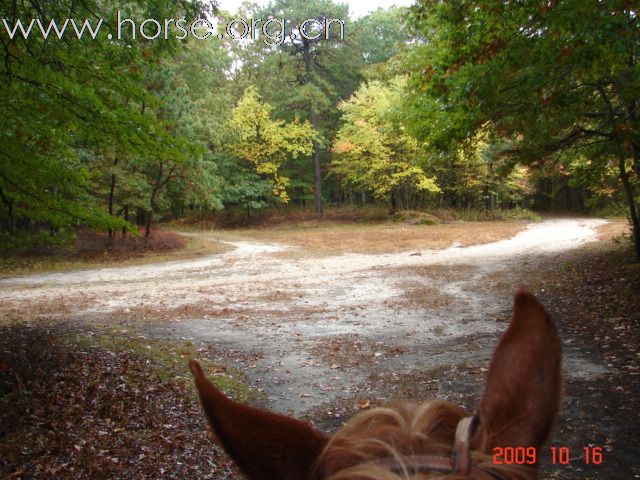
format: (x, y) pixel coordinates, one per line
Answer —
(524, 384)
(265, 445)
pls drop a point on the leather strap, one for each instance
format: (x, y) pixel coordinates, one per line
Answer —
(465, 429)
(460, 464)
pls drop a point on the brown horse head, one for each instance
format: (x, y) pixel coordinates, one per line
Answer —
(434, 439)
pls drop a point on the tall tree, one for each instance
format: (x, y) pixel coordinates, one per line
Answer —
(381, 34)
(266, 142)
(373, 151)
(314, 42)
(546, 76)
(67, 101)
(194, 97)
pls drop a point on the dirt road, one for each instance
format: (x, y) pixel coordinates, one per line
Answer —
(314, 330)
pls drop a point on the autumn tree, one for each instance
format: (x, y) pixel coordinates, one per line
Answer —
(266, 143)
(319, 68)
(373, 151)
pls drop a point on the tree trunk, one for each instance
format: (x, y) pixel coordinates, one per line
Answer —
(631, 203)
(9, 204)
(394, 206)
(112, 189)
(147, 225)
(126, 217)
(160, 182)
(317, 171)
(629, 192)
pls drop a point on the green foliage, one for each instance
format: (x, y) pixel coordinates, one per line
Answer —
(473, 176)
(242, 186)
(67, 103)
(373, 151)
(543, 77)
(267, 143)
(500, 96)
(194, 95)
(521, 214)
(413, 217)
(313, 74)
(380, 34)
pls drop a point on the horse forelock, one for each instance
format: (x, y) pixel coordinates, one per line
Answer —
(396, 432)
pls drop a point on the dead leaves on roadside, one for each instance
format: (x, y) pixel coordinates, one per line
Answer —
(79, 412)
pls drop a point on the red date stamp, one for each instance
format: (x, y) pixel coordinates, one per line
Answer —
(514, 456)
(559, 455)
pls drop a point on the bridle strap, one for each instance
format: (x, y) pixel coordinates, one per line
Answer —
(431, 464)
(460, 463)
(462, 444)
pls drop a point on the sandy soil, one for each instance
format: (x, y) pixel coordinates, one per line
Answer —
(325, 336)
(299, 313)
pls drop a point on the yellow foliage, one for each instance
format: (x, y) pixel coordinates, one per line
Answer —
(266, 142)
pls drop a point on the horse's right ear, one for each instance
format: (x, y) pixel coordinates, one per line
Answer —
(524, 384)
(265, 445)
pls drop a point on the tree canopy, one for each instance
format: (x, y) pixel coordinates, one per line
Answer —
(73, 105)
(542, 78)
(458, 104)
(373, 151)
(267, 143)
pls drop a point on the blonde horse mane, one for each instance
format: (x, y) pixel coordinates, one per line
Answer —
(397, 431)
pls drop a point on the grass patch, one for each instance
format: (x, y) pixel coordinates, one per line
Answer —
(83, 256)
(520, 214)
(293, 215)
(413, 217)
(167, 359)
(337, 238)
(281, 216)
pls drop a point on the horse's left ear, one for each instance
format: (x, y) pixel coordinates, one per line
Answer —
(265, 445)
(524, 384)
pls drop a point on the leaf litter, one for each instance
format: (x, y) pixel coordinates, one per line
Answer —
(81, 411)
